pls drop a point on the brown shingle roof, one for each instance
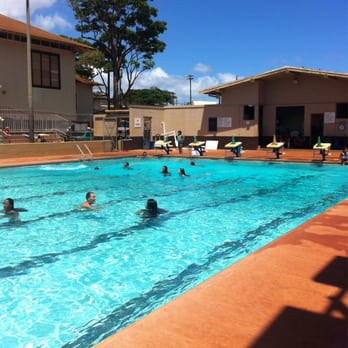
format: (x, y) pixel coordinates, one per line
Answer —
(215, 91)
(13, 29)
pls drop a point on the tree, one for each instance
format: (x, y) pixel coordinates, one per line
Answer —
(91, 64)
(153, 96)
(87, 62)
(125, 32)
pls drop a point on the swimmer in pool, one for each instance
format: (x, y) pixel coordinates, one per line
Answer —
(165, 171)
(9, 210)
(151, 209)
(90, 200)
(182, 172)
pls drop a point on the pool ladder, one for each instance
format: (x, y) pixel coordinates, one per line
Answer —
(88, 155)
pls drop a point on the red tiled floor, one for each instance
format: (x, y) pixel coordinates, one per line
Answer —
(293, 155)
(290, 294)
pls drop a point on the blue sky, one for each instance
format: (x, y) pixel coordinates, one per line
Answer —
(218, 41)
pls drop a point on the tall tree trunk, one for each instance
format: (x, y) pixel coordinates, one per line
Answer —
(117, 92)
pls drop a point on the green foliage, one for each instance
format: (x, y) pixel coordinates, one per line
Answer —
(125, 32)
(153, 96)
(88, 63)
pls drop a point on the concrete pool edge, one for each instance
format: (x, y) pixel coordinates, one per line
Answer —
(275, 297)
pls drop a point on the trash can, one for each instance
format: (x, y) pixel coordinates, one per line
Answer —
(151, 144)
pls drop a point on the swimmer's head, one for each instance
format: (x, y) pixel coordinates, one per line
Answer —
(8, 204)
(151, 206)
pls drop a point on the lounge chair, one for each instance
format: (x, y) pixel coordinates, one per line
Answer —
(211, 145)
(164, 145)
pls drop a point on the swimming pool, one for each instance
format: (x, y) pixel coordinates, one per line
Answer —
(70, 278)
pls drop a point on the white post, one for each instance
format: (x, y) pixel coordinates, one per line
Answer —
(29, 78)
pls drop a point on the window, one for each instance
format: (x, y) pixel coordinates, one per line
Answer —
(45, 70)
(212, 124)
(342, 110)
(249, 113)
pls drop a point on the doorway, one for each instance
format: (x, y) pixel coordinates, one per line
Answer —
(262, 142)
(147, 132)
(317, 127)
(290, 125)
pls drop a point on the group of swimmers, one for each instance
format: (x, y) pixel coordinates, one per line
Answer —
(151, 207)
(181, 171)
(166, 172)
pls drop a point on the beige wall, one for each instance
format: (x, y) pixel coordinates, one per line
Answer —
(243, 94)
(51, 149)
(156, 114)
(192, 120)
(84, 100)
(13, 78)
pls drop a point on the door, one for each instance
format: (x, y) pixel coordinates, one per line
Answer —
(290, 125)
(317, 127)
(147, 132)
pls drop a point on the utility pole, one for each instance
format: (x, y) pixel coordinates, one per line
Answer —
(190, 78)
(29, 78)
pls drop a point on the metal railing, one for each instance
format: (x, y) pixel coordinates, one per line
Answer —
(82, 153)
(18, 121)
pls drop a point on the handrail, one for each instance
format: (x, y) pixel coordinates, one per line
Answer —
(83, 156)
(89, 151)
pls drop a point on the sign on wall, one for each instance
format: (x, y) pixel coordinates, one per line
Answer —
(329, 117)
(224, 122)
(137, 122)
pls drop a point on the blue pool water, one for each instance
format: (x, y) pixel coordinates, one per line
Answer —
(70, 278)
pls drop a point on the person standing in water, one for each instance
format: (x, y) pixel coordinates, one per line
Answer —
(180, 139)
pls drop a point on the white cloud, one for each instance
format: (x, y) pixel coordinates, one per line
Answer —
(180, 85)
(201, 68)
(8, 8)
(17, 9)
(41, 4)
(177, 84)
(227, 77)
(49, 23)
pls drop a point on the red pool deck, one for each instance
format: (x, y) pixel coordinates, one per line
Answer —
(292, 293)
(288, 155)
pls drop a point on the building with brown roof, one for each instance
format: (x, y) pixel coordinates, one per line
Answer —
(295, 104)
(54, 86)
